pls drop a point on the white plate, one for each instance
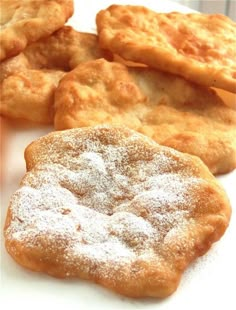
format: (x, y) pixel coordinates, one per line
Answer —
(207, 284)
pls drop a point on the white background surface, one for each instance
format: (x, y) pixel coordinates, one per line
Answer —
(207, 284)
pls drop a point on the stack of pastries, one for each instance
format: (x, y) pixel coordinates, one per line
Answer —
(122, 192)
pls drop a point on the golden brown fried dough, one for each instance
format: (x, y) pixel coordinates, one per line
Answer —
(228, 98)
(165, 107)
(28, 80)
(29, 94)
(109, 205)
(25, 21)
(201, 48)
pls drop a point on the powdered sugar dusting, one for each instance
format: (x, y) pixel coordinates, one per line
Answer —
(97, 202)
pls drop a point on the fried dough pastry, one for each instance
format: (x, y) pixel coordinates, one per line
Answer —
(26, 21)
(29, 95)
(201, 48)
(165, 107)
(229, 98)
(28, 80)
(110, 205)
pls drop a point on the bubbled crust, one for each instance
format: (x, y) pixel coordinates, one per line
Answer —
(29, 95)
(26, 21)
(201, 48)
(109, 205)
(28, 80)
(172, 111)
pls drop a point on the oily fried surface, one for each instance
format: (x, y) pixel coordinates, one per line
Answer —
(64, 50)
(28, 80)
(26, 21)
(165, 107)
(201, 48)
(228, 97)
(109, 205)
(29, 94)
